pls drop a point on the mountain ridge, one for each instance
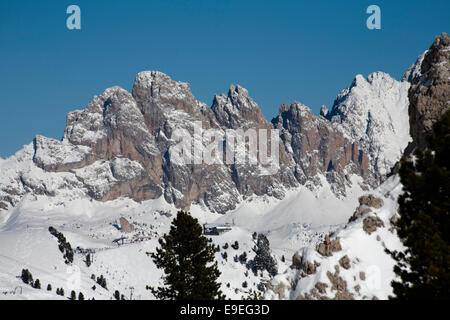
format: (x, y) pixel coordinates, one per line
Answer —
(139, 126)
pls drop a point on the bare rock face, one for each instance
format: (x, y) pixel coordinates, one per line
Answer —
(125, 226)
(317, 147)
(238, 111)
(371, 201)
(344, 262)
(296, 261)
(339, 285)
(362, 275)
(329, 246)
(371, 223)
(429, 94)
(321, 287)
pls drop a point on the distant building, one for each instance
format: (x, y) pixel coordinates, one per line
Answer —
(215, 230)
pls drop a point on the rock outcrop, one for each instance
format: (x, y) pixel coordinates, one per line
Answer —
(329, 246)
(125, 226)
(371, 223)
(429, 94)
(366, 204)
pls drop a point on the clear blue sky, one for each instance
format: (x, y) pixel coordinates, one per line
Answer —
(280, 51)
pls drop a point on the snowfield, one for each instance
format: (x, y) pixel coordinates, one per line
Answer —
(301, 220)
(369, 269)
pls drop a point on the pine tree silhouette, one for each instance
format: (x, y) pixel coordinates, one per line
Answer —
(188, 261)
(424, 224)
(37, 284)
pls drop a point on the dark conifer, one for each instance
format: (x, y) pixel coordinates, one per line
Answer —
(37, 284)
(424, 223)
(188, 262)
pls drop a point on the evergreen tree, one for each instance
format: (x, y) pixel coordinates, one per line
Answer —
(263, 258)
(73, 295)
(102, 281)
(243, 257)
(26, 276)
(117, 295)
(49, 287)
(188, 262)
(424, 223)
(80, 296)
(37, 284)
(88, 260)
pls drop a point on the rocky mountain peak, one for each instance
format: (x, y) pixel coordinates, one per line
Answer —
(237, 109)
(85, 127)
(414, 70)
(429, 94)
(296, 108)
(240, 98)
(154, 87)
(372, 112)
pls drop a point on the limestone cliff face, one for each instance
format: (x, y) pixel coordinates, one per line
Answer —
(124, 145)
(319, 147)
(429, 94)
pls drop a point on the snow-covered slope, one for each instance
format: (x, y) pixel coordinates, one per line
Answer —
(352, 263)
(115, 160)
(25, 242)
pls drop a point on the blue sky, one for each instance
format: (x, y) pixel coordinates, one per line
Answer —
(280, 51)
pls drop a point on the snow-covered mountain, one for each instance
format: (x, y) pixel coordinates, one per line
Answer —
(117, 159)
(122, 145)
(351, 263)
(372, 112)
